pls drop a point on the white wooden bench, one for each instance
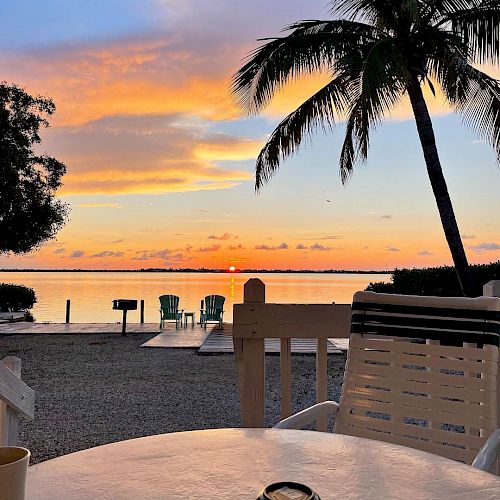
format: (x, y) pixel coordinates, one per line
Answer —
(16, 399)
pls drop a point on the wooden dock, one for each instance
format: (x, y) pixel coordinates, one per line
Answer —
(11, 317)
(189, 337)
(221, 341)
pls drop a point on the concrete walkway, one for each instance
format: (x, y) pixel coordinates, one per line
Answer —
(189, 337)
(75, 328)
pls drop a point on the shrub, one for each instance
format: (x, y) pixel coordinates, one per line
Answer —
(440, 281)
(16, 297)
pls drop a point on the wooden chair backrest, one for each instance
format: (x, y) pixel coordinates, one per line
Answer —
(422, 372)
(169, 305)
(213, 306)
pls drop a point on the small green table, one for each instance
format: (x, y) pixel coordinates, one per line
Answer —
(190, 315)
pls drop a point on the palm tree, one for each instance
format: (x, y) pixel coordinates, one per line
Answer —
(378, 51)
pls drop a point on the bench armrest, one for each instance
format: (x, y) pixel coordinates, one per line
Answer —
(308, 416)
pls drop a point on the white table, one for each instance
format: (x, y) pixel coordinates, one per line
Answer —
(238, 463)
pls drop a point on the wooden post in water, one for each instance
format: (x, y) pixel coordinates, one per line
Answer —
(142, 310)
(68, 308)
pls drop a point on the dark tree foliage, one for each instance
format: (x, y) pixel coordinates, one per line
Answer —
(441, 281)
(16, 297)
(29, 212)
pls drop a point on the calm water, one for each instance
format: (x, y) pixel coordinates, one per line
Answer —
(91, 293)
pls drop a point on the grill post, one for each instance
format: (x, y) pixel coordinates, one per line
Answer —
(142, 310)
(124, 323)
(68, 308)
(125, 305)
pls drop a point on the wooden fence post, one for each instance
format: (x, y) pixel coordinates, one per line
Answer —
(68, 308)
(250, 362)
(142, 310)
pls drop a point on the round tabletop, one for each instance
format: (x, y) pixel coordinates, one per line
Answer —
(238, 463)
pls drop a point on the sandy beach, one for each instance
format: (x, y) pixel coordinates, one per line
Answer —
(97, 389)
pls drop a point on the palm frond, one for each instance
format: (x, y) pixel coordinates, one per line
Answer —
(480, 28)
(320, 110)
(381, 82)
(312, 46)
(474, 95)
(364, 9)
(349, 153)
(381, 13)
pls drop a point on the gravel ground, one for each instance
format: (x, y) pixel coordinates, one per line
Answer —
(96, 389)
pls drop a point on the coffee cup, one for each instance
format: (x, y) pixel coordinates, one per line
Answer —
(13, 467)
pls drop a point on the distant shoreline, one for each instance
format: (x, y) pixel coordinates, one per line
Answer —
(202, 270)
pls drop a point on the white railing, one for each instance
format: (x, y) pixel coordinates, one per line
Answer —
(256, 320)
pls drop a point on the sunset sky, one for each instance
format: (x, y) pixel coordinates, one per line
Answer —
(160, 161)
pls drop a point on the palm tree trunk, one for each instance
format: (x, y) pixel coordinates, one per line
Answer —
(438, 183)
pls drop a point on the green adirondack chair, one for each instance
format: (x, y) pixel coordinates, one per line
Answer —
(213, 311)
(169, 310)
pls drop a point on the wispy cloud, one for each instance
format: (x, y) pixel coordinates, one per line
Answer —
(320, 248)
(393, 249)
(387, 216)
(146, 155)
(211, 248)
(485, 247)
(425, 253)
(468, 237)
(236, 247)
(98, 205)
(283, 246)
(59, 250)
(222, 237)
(76, 254)
(107, 253)
(301, 246)
(165, 255)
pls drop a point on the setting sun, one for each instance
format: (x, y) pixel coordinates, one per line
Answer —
(232, 269)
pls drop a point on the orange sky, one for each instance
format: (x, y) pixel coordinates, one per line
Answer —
(160, 161)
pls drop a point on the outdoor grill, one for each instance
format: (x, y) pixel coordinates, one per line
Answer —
(124, 305)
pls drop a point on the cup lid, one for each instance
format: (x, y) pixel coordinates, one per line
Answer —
(288, 490)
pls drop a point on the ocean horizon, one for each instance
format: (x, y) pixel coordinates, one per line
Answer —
(92, 292)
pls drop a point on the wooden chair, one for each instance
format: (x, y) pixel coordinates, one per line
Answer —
(421, 372)
(169, 310)
(213, 310)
